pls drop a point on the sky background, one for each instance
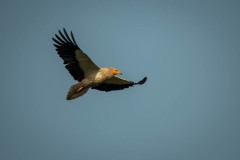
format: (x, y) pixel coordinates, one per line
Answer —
(188, 108)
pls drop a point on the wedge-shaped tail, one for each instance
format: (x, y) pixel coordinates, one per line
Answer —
(74, 91)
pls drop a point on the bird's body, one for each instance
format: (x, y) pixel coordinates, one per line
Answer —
(91, 80)
(103, 74)
(83, 69)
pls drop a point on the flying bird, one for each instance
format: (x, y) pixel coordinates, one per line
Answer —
(85, 71)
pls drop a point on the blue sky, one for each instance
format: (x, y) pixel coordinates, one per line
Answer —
(188, 109)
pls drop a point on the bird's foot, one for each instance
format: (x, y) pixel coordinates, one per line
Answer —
(79, 89)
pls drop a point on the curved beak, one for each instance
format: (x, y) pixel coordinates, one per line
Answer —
(119, 72)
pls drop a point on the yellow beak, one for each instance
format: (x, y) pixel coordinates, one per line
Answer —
(117, 72)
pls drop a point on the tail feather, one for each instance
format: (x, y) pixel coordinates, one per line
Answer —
(74, 93)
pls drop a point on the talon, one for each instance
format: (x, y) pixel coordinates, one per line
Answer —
(79, 89)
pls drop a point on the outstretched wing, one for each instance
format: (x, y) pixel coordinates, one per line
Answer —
(117, 83)
(76, 61)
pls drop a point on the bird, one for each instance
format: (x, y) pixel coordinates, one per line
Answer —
(85, 71)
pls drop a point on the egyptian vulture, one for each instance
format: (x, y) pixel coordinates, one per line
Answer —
(85, 71)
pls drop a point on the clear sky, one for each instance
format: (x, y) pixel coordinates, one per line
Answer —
(187, 110)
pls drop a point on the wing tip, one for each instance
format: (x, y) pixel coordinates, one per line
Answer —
(142, 81)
